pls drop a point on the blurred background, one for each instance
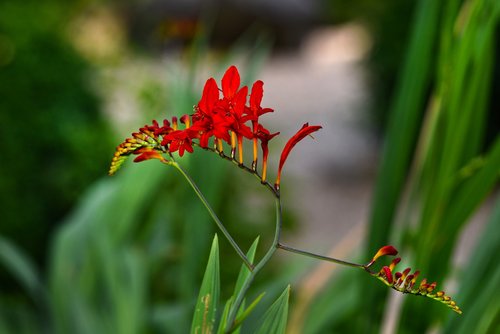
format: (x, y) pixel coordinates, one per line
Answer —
(407, 93)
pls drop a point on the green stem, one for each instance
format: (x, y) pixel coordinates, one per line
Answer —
(214, 216)
(246, 285)
(320, 257)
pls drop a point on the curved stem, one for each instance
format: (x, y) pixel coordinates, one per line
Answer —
(320, 257)
(214, 216)
(246, 285)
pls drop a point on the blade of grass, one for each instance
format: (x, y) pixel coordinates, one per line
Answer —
(404, 122)
(275, 318)
(208, 298)
(23, 270)
(479, 279)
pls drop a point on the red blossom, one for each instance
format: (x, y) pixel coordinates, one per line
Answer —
(178, 140)
(230, 82)
(256, 98)
(147, 153)
(386, 271)
(305, 131)
(394, 263)
(186, 120)
(386, 250)
(264, 136)
(222, 117)
(208, 100)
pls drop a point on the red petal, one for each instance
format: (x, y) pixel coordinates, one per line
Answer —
(256, 95)
(388, 274)
(239, 101)
(301, 134)
(210, 96)
(386, 250)
(394, 263)
(147, 154)
(230, 82)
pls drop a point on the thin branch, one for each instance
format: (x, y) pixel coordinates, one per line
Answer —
(214, 216)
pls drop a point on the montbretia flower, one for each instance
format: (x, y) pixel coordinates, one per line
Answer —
(255, 111)
(178, 140)
(264, 136)
(305, 131)
(226, 115)
(386, 250)
(405, 281)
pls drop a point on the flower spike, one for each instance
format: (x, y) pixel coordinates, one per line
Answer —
(230, 117)
(404, 282)
(146, 143)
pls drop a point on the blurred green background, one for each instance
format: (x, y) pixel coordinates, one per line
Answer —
(81, 252)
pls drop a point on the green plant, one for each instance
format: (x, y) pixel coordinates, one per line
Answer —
(217, 120)
(436, 170)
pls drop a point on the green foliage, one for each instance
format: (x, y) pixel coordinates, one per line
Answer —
(275, 319)
(479, 284)
(444, 166)
(208, 299)
(130, 257)
(242, 312)
(53, 138)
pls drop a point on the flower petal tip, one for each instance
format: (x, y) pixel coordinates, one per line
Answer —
(386, 250)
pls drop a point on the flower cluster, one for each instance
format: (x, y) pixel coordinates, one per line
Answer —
(405, 281)
(222, 119)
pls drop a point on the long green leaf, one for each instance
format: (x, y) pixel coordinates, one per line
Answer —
(476, 187)
(225, 314)
(479, 283)
(404, 122)
(276, 317)
(244, 271)
(242, 276)
(20, 266)
(208, 298)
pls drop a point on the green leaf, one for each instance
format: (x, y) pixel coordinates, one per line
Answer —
(475, 189)
(242, 277)
(208, 298)
(244, 271)
(243, 314)
(275, 319)
(225, 314)
(21, 268)
(479, 282)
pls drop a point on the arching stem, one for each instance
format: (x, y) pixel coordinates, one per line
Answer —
(246, 285)
(214, 215)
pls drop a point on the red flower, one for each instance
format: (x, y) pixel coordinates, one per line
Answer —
(178, 140)
(232, 107)
(255, 100)
(147, 153)
(208, 100)
(230, 82)
(386, 250)
(264, 136)
(301, 134)
(255, 111)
